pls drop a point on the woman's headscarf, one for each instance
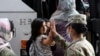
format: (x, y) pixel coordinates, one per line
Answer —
(66, 4)
(4, 33)
(65, 9)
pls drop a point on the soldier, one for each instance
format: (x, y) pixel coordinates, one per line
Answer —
(76, 28)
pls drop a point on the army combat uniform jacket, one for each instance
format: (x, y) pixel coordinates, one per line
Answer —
(79, 47)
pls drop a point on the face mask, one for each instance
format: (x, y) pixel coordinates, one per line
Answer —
(9, 37)
(68, 35)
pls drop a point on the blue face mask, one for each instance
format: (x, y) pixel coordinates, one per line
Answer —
(68, 37)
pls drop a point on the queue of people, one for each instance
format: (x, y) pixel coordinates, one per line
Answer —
(45, 36)
(41, 42)
(76, 28)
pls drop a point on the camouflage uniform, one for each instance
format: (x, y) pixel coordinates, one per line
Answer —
(79, 47)
(7, 51)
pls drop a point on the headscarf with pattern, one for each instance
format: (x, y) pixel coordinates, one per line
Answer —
(4, 33)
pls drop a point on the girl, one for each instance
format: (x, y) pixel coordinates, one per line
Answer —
(41, 43)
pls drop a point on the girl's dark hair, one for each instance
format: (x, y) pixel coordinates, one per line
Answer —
(46, 20)
(35, 31)
(79, 28)
(35, 27)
